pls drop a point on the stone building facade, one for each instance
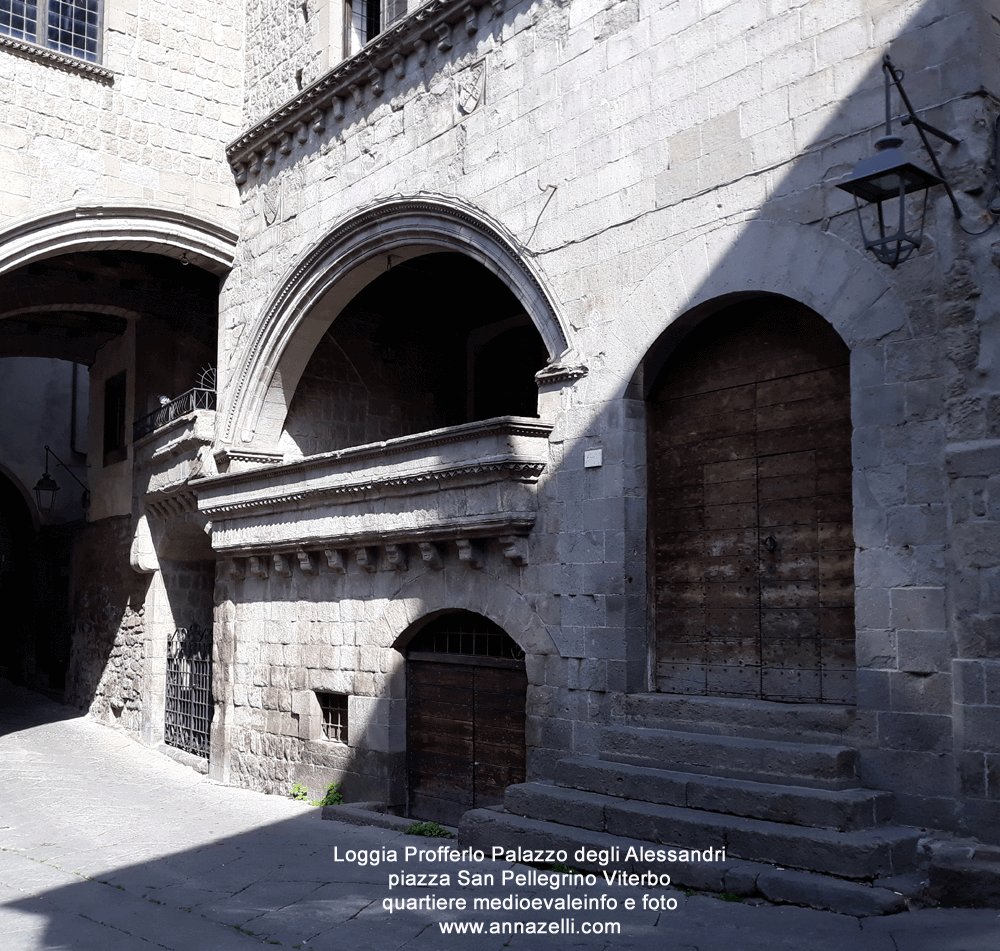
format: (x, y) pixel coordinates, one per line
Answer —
(560, 417)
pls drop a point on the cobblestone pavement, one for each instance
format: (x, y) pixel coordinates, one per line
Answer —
(108, 845)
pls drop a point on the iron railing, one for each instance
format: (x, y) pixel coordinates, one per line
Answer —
(189, 706)
(188, 402)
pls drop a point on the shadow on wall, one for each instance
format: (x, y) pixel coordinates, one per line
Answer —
(108, 606)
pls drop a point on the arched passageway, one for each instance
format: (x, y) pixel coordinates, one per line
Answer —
(18, 544)
(750, 514)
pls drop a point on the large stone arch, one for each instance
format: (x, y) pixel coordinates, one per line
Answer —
(803, 263)
(434, 593)
(149, 229)
(266, 373)
(747, 259)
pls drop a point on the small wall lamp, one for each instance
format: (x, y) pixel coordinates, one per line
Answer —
(889, 176)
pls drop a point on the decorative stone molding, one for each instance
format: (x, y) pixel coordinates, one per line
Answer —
(258, 566)
(237, 460)
(107, 225)
(172, 506)
(430, 24)
(307, 563)
(470, 552)
(430, 553)
(466, 484)
(397, 557)
(59, 60)
(282, 565)
(335, 560)
(515, 549)
(560, 372)
(234, 568)
(142, 554)
(251, 407)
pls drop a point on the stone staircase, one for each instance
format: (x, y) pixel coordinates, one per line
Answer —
(774, 787)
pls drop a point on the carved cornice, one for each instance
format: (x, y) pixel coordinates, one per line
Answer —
(228, 457)
(524, 471)
(426, 29)
(183, 434)
(559, 373)
(59, 60)
(175, 505)
(471, 534)
(382, 451)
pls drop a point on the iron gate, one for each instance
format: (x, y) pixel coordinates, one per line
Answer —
(189, 705)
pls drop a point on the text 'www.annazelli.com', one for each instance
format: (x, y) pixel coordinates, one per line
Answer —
(561, 926)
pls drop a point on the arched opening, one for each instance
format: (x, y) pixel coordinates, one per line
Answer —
(264, 375)
(90, 339)
(465, 702)
(408, 354)
(750, 508)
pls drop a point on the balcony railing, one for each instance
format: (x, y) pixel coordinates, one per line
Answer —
(180, 406)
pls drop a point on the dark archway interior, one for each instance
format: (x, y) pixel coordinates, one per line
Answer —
(433, 342)
(18, 546)
(72, 307)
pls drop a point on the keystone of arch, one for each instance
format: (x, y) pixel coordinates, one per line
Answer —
(94, 227)
(359, 249)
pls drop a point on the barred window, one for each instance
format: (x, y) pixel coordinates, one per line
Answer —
(334, 707)
(72, 27)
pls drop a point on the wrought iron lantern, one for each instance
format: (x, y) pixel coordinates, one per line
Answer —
(886, 179)
(45, 490)
(46, 487)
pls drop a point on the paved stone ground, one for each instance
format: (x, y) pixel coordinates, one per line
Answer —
(107, 845)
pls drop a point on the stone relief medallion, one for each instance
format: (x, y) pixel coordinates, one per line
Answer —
(471, 84)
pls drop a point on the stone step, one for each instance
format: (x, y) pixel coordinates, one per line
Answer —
(820, 766)
(763, 719)
(860, 854)
(842, 810)
(594, 852)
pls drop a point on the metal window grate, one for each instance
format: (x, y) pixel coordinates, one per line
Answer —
(466, 633)
(334, 707)
(188, 714)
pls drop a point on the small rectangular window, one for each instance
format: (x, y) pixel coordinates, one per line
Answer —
(334, 707)
(114, 419)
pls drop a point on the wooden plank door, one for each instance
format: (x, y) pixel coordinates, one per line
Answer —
(439, 740)
(750, 509)
(465, 717)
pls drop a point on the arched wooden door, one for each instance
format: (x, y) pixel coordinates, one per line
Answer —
(465, 700)
(750, 513)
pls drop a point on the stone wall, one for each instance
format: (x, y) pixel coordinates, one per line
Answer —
(650, 160)
(108, 608)
(147, 129)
